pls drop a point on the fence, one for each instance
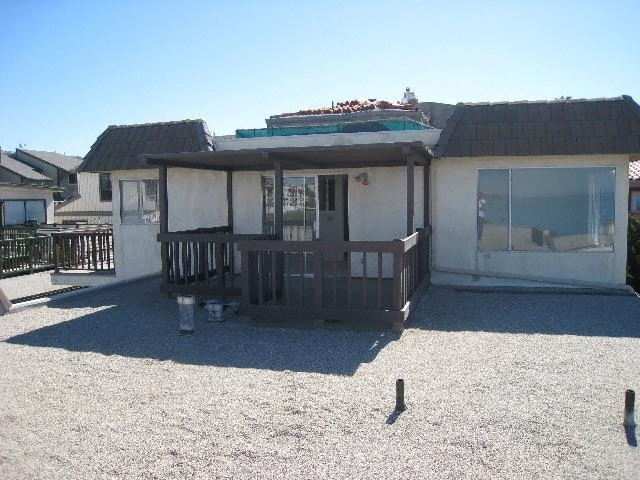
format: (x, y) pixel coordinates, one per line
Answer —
(90, 249)
(23, 254)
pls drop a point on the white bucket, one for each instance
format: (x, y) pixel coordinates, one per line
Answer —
(214, 309)
(185, 311)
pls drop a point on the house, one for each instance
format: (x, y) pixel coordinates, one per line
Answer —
(26, 196)
(534, 193)
(346, 216)
(56, 166)
(116, 164)
(14, 172)
(83, 198)
(634, 189)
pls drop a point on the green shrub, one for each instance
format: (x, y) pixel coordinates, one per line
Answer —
(633, 254)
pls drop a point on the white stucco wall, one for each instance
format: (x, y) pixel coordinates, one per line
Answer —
(454, 216)
(136, 249)
(197, 198)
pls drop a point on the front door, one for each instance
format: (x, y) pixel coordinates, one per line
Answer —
(332, 200)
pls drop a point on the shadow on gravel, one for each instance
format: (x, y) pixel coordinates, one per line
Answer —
(136, 320)
(451, 310)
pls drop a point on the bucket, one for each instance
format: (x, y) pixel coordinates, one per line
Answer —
(214, 309)
(185, 312)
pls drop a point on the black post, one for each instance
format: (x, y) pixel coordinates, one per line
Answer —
(400, 405)
(629, 405)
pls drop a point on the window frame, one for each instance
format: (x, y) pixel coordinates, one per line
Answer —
(24, 202)
(102, 191)
(510, 170)
(141, 218)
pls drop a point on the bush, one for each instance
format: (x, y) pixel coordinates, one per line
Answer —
(633, 254)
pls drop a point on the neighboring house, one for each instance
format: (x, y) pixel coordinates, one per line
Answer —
(534, 193)
(634, 189)
(60, 168)
(26, 203)
(17, 173)
(92, 204)
(115, 160)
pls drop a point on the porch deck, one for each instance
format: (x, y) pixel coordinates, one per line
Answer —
(368, 283)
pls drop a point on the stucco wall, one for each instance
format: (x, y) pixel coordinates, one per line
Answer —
(136, 249)
(454, 249)
(197, 198)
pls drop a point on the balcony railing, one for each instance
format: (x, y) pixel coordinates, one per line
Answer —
(84, 249)
(202, 261)
(25, 254)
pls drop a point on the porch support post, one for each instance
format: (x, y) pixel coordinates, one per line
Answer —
(164, 200)
(230, 200)
(278, 203)
(164, 221)
(410, 190)
(427, 192)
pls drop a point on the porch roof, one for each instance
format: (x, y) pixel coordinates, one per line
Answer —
(295, 158)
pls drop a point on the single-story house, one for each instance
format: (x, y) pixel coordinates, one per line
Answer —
(347, 220)
(26, 203)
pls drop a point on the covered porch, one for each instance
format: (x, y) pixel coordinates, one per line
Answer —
(298, 265)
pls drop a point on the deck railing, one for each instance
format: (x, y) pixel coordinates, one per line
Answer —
(366, 280)
(201, 261)
(84, 249)
(23, 254)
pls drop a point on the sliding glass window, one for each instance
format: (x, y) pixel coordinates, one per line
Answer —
(546, 209)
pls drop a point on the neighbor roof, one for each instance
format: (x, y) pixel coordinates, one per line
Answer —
(120, 146)
(21, 169)
(58, 160)
(562, 127)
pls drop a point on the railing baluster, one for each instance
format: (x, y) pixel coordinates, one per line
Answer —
(364, 279)
(379, 280)
(349, 280)
(260, 273)
(287, 279)
(335, 277)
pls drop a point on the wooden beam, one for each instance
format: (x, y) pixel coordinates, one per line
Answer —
(410, 193)
(164, 200)
(427, 192)
(278, 200)
(230, 199)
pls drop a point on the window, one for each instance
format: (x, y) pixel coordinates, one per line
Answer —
(635, 201)
(546, 209)
(19, 212)
(73, 179)
(105, 187)
(298, 204)
(139, 202)
(327, 193)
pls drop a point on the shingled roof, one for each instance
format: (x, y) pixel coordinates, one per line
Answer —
(634, 171)
(21, 169)
(120, 146)
(58, 160)
(563, 127)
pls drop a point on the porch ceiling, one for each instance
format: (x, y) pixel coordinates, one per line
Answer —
(295, 158)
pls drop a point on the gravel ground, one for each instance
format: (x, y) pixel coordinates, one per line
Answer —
(24, 285)
(497, 386)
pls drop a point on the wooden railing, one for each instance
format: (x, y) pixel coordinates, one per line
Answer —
(25, 254)
(363, 280)
(8, 233)
(201, 261)
(84, 249)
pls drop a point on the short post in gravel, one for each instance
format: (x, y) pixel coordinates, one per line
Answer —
(400, 405)
(185, 311)
(629, 406)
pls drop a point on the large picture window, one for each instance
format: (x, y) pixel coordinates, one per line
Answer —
(546, 209)
(19, 212)
(139, 202)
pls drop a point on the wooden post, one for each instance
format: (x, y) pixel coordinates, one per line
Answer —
(397, 275)
(410, 191)
(278, 200)
(164, 221)
(230, 201)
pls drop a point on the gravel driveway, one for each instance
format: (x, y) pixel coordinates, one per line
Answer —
(497, 386)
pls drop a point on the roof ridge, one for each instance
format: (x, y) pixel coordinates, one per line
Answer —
(152, 124)
(544, 102)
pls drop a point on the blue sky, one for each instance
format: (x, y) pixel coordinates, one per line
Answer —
(70, 68)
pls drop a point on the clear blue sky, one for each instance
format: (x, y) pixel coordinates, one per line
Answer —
(70, 68)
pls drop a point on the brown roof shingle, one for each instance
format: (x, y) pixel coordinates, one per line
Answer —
(562, 127)
(119, 147)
